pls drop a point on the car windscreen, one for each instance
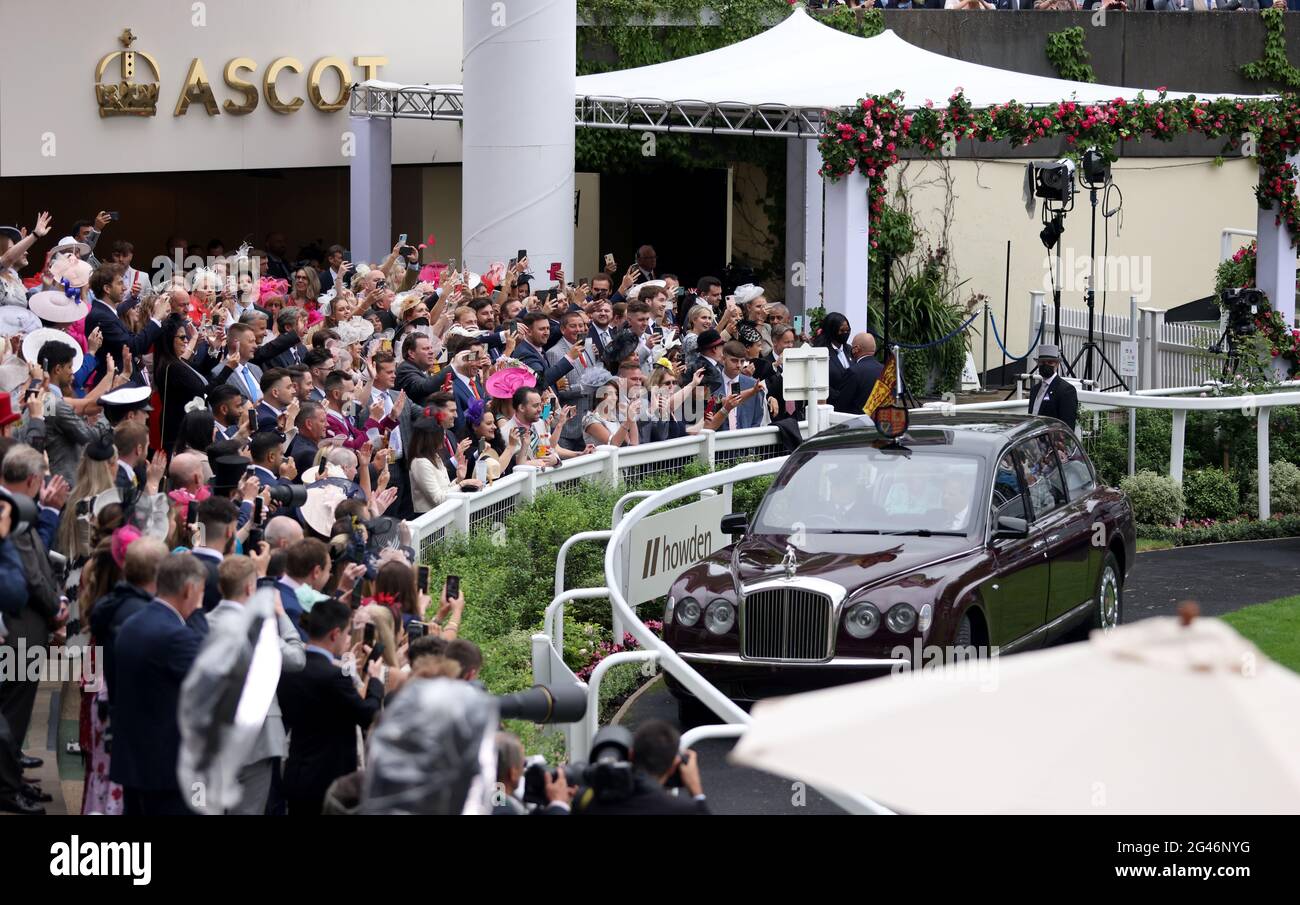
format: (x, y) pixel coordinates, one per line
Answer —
(872, 490)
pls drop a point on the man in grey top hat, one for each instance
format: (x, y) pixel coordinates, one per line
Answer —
(1054, 397)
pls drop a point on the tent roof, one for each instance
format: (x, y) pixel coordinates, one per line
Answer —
(803, 64)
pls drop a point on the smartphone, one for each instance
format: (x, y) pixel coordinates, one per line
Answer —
(401, 240)
(513, 262)
(416, 630)
(33, 388)
(609, 260)
(257, 511)
(521, 254)
(375, 652)
(252, 424)
(368, 636)
(554, 272)
(546, 411)
(114, 215)
(798, 324)
(453, 587)
(422, 578)
(192, 513)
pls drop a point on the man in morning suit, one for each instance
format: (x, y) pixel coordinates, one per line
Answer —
(1054, 397)
(106, 289)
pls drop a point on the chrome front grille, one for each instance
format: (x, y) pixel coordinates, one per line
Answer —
(786, 624)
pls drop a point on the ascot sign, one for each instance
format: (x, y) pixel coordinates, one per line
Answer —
(130, 98)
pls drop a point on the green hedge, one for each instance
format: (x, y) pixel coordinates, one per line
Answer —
(508, 576)
(1156, 499)
(1210, 494)
(1223, 532)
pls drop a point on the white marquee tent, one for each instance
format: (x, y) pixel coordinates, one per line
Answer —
(779, 83)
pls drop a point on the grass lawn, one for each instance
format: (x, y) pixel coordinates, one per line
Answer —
(1274, 627)
(1146, 544)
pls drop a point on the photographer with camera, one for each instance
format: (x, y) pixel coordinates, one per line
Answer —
(654, 764)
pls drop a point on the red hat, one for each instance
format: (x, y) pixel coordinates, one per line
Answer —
(7, 413)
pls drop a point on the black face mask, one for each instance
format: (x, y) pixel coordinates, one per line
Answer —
(843, 338)
(1046, 370)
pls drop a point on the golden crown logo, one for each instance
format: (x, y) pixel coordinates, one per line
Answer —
(127, 98)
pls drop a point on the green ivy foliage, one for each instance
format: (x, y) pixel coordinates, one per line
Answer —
(1274, 67)
(1069, 56)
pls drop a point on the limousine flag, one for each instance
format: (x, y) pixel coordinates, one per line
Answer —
(882, 405)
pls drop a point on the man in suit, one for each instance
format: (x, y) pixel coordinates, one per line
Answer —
(534, 338)
(601, 330)
(23, 626)
(323, 708)
(306, 562)
(750, 402)
(568, 389)
(266, 454)
(280, 352)
(155, 650)
(313, 425)
(656, 754)
(24, 471)
(863, 374)
(246, 376)
(229, 410)
(66, 433)
(278, 397)
(106, 291)
(139, 585)
(413, 374)
(131, 441)
(218, 517)
(1054, 397)
(238, 580)
(467, 357)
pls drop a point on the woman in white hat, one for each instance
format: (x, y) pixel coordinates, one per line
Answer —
(14, 244)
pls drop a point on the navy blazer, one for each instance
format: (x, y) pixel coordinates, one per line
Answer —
(750, 412)
(104, 317)
(322, 711)
(154, 652)
(289, 600)
(536, 362)
(463, 398)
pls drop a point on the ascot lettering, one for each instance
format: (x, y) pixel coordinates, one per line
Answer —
(197, 87)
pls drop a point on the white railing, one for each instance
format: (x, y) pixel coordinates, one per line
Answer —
(462, 513)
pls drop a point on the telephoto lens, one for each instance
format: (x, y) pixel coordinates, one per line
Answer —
(541, 704)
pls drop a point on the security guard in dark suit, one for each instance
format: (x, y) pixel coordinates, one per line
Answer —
(1054, 397)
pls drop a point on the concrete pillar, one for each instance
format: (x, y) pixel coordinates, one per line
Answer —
(1177, 436)
(1262, 463)
(1275, 266)
(370, 188)
(518, 135)
(803, 225)
(847, 244)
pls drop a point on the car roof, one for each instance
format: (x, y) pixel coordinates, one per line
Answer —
(979, 433)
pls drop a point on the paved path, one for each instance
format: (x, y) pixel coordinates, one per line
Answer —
(1219, 577)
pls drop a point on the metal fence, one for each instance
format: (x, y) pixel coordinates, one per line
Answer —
(462, 513)
(1169, 355)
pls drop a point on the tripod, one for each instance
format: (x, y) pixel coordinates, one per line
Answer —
(1090, 345)
(1227, 341)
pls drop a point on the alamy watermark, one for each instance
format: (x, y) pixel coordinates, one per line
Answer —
(23, 662)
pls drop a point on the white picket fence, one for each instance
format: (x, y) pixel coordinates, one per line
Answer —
(462, 513)
(1169, 355)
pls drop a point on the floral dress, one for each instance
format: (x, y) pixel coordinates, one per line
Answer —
(100, 795)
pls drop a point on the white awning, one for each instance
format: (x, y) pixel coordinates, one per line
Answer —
(804, 64)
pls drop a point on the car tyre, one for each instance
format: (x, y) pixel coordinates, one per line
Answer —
(963, 632)
(1108, 601)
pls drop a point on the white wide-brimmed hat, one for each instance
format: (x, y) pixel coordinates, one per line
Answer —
(16, 319)
(355, 330)
(58, 307)
(69, 245)
(318, 511)
(33, 342)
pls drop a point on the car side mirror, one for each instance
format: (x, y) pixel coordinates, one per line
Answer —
(735, 523)
(1010, 526)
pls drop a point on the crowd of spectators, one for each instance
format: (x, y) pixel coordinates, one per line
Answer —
(174, 440)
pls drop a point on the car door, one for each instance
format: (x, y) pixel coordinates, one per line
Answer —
(1063, 529)
(1079, 546)
(1015, 592)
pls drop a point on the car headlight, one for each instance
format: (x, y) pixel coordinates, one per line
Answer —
(687, 611)
(900, 618)
(720, 617)
(861, 620)
(927, 616)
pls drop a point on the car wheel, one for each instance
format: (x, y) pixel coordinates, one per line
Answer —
(963, 632)
(1108, 602)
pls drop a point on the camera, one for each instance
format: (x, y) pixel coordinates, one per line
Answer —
(1241, 306)
(288, 494)
(1054, 180)
(23, 514)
